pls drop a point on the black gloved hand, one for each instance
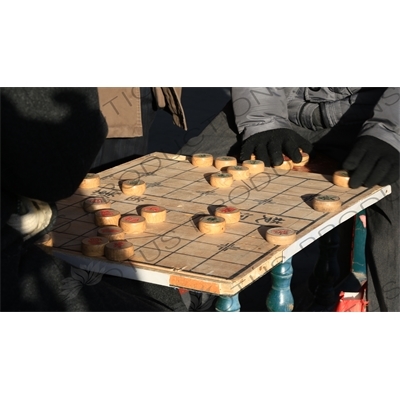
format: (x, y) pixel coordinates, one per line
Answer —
(372, 162)
(269, 146)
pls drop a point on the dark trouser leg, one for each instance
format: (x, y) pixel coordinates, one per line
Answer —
(11, 249)
(49, 284)
(383, 248)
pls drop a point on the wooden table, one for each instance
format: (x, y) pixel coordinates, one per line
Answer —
(175, 253)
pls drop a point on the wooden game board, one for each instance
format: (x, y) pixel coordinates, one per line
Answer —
(175, 253)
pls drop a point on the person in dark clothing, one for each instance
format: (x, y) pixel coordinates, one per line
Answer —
(50, 138)
(359, 128)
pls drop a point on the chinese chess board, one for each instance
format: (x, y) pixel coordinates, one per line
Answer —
(174, 252)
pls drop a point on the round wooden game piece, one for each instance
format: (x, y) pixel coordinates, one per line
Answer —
(326, 203)
(341, 178)
(239, 172)
(287, 164)
(133, 187)
(224, 161)
(107, 217)
(254, 166)
(119, 250)
(231, 215)
(212, 225)
(154, 214)
(90, 181)
(93, 204)
(111, 232)
(93, 246)
(221, 179)
(202, 160)
(133, 223)
(280, 236)
(45, 240)
(304, 160)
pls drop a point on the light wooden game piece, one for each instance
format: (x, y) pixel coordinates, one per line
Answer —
(133, 223)
(304, 160)
(326, 203)
(93, 246)
(93, 204)
(341, 178)
(133, 187)
(107, 217)
(202, 160)
(111, 232)
(90, 181)
(286, 165)
(254, 166)
(119, 250)
(224, 161)
(45, 240)
(212, 225)
(239, 172)
(154, 214)
(252, 157)
(230, 214)
(221, 179)
(280, 236)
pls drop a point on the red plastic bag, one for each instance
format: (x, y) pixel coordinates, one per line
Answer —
(352, 302)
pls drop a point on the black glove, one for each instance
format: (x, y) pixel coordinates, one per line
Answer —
(372, 162)
(269, 146)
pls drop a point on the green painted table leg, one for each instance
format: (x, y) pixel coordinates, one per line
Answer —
(359, 264)
(280, 297)
(228, 303)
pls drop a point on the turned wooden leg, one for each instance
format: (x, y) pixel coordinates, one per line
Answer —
(359, 264)
(280, 297)
(228, 303)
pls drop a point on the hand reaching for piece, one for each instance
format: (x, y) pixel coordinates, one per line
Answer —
(372, 162)
(269, 146)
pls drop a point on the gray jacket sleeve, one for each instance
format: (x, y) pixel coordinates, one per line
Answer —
(385, 121)
(260, 109)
